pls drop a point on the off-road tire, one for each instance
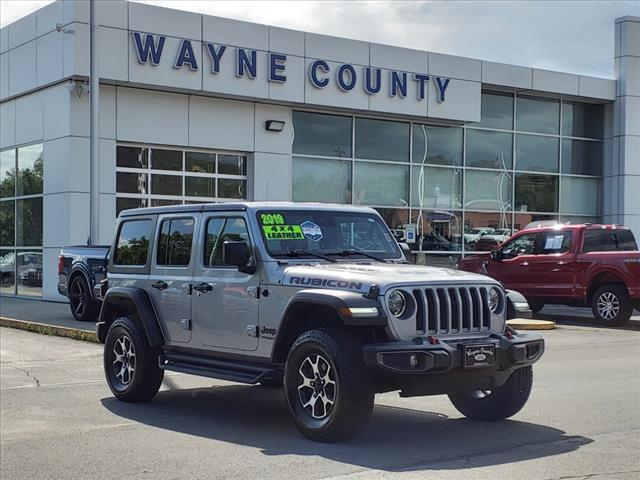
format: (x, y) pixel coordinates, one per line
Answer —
(503, 402)
(353, 394)
(625, 307)
(84, 309)
(147, 376)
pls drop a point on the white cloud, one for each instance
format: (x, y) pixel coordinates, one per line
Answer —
(572, 36)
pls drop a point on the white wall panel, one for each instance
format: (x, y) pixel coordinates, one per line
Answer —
(466, 104)
(629, 116)
(65, 219)
(283, 40)
(7, 124)
(630, 36)
(113, 13)
(47, 17)
(4, 75)
(165, 73)
(154, 117)
(223, 124)
(22, 30)
(556, 82)
(29, 123)
(66, 165)
(4, 39)
(107, 120)
(107, 166)
(165, 21)
(75, 11)
(268, 141)
(227, 82)
(234, 33)
(76, 53)
(293, 89)
(107, 220)
(324, 47)
(630, 156)
(56, 111)
(507, 75)
(455, 67)
(80, 114)
(274, 174)
(113, 54)
(22, 68)
(50, 65)
(629, 76)
(597, 87)
(405, 59)
(331, 95)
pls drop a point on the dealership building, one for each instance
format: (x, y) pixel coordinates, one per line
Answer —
(196, 108)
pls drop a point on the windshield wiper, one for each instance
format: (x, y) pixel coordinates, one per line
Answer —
(348, 253)
(299, 253)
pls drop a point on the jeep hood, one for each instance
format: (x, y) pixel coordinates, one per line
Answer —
(361, 276)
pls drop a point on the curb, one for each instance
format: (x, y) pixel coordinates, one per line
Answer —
(73, 333)
(530, 324)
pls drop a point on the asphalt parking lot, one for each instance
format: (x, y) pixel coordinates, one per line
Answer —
(59, 420)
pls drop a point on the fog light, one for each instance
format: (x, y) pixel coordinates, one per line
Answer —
(413, 361)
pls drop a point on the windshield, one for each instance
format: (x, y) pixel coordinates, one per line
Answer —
(325, 232)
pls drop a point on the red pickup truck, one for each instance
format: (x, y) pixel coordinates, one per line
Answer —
(578, 265)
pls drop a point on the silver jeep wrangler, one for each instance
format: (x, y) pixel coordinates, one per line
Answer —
(316, 299)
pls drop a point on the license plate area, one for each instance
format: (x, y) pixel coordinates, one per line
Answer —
(479, 356)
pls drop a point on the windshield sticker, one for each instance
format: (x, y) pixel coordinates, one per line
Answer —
(554, 242)
(272, 219)
(311, 230)
(283, 232)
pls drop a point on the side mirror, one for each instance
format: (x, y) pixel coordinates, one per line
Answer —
(497, 255)
(237, 254)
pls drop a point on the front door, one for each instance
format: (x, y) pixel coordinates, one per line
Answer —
(515, 267)
(552, 271)
(225, 300)
(171, 272)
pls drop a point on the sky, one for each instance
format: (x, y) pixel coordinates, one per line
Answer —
(570, 36)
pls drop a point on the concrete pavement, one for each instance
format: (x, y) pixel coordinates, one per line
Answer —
(58, 419)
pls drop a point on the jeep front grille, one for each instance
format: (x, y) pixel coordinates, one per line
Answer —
(448, 310)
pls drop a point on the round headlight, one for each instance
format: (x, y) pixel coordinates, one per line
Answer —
(397, 303)
(494, 299)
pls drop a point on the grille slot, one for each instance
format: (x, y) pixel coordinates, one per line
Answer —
(447, 310)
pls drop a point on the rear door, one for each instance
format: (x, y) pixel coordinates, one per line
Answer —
(552, 268)
(171, 275)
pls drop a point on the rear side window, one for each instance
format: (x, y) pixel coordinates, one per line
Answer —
(555, 242)
(220, 230)
(608, 241)
(174, 242)
(133, 243)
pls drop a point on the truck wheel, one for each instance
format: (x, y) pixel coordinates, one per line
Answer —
(326, 385)
(130, 364)
(536, 306)
(499, 403)
(611, 305)
(83, 307)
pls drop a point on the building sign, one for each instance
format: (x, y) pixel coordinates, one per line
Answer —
(150, 48)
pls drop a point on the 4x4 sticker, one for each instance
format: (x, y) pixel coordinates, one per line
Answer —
(311, 230)
(283, 232)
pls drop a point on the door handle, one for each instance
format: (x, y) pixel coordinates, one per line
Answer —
(203, 287)
(160, 285)
(524, 264)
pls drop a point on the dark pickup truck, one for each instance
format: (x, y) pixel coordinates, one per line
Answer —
(81, 268)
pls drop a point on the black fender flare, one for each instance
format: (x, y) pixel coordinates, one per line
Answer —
(80, 268)
(144, 311)
(517, 305)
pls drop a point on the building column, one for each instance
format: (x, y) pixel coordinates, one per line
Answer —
(622, 188)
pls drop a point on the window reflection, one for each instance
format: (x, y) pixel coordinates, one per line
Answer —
(536, 193)
(488, 190)
(320, 134)
(540, 115)
(321, 180)
(537, 153)
(581, 157)
(29, 270)
(437, 230)
(497, 111)
(381, 184)
(435, 187)
(489, 149)
(382, 140)
(30, 170)
(437, 145)
(7, 173)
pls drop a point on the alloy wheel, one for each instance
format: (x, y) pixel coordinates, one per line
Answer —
(608, 305)
(124, 364)
(317, 387)
(77, 297)
(480, 394)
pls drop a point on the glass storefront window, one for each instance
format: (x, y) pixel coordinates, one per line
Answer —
(166, 184)
(497, 111)
(539, 115)
(536, 193)
(578, 219)
(29, 222)
(581, 157)
(437, 187)
(582, 120)
(537, 153)
(200, 162)
(132, 157)
(486, 190)
(321, 180)
(200, 186)
(123, 203)
(484, 231)
(382, 140)
(166, 159)
(29, 270)
(128, 182)
(441, 260)
(232, 165)
(8, 173)
(381, 184)
(7, 271)
(489, 149)
(580, 195)
(521, 220)
(321, 134)
(229, 188)
(437, 230)
(161, 202)
(30, 170)
(443, 145)
(7, 223)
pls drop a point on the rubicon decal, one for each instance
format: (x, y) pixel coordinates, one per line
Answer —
(324, 282)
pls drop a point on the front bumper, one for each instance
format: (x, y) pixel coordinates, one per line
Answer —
(425, 368)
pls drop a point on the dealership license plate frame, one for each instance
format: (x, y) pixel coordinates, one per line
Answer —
(469, 353)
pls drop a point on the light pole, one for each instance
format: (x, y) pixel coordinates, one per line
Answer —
(94, 92)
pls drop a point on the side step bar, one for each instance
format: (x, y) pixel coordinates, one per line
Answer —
(217, 368)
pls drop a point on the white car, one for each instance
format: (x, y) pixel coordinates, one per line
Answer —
(473, 235)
